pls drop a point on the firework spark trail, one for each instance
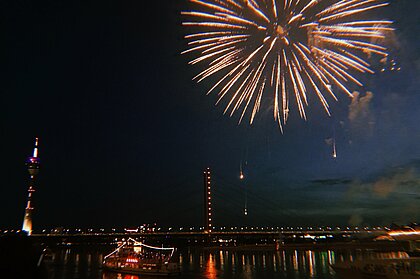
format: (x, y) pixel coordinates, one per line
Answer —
(287, 47)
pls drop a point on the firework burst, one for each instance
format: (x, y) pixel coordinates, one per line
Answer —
(283, 49)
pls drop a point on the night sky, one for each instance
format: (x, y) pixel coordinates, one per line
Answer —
(125, 134)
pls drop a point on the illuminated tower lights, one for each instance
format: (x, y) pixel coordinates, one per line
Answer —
(33, 165)
(207, 201)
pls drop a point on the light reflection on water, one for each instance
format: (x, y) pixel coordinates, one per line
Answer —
(85, 263)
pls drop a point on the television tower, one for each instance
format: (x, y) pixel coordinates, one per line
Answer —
(33, 165)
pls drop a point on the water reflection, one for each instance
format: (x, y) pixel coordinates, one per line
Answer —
(119, 276)
(295, 261)
(298, 264)
(210, 268)
(85, 263)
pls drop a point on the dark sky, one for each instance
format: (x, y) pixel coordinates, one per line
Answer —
(125, 133)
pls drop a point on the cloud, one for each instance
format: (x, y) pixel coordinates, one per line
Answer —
(355, 219)
(359, 111)
(329, 141)
(338, 181)
(403, 181)
(390, 197)
(390, 39)
(396, 183)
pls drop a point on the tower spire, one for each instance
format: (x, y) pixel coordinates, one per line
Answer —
(33, 165)
(35, 154)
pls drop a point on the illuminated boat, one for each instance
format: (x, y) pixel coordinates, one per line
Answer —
(394, 268)
(134, 257)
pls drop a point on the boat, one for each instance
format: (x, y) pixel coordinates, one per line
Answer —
(137, 258)
(392, 268)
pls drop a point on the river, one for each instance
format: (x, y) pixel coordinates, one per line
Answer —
(85, 263)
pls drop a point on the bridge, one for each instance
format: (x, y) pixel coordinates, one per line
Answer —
(263, 238)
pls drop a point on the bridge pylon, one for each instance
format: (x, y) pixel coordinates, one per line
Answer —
(207, 201)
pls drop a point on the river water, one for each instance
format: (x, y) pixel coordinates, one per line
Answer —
(85, 263)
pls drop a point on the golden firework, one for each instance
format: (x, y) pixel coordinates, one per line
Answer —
(282, 49)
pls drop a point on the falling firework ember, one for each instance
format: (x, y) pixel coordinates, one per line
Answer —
(282, 49)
